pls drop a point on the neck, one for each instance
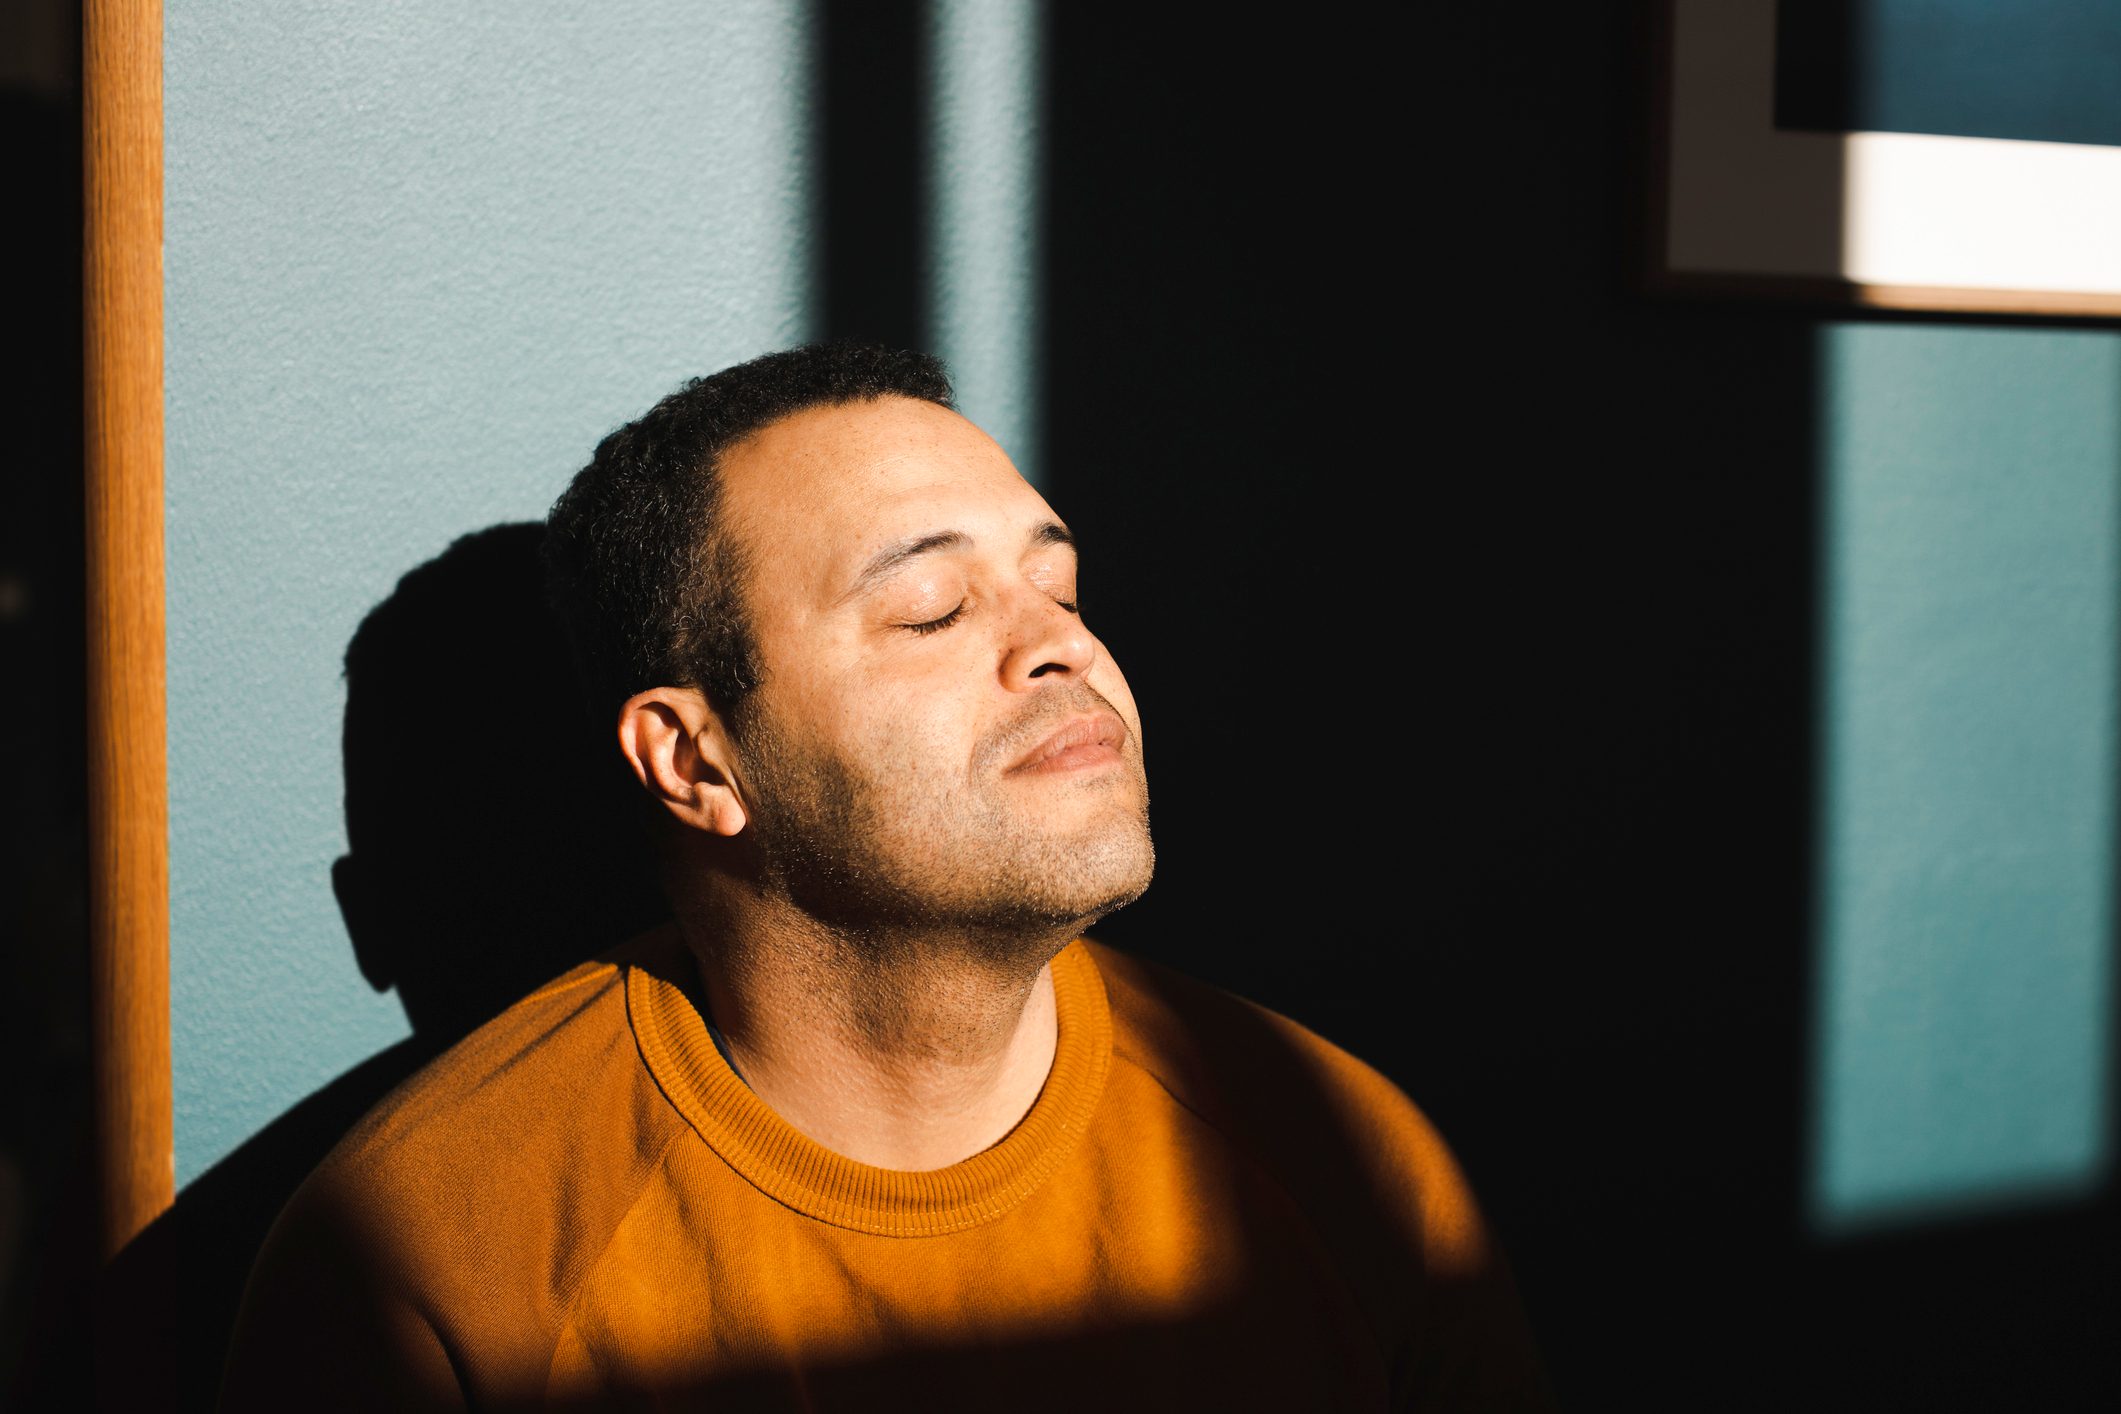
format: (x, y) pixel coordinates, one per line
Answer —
(909, 1051)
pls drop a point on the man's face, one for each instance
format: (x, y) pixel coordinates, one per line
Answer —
(937, 740)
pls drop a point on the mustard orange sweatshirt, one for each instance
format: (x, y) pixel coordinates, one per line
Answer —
(582, 1206)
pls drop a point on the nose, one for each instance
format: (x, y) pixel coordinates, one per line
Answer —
(1047, 642)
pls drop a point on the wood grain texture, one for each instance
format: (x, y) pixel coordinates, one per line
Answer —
(127, 776)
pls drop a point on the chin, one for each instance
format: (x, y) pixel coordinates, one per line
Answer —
(1098, 877)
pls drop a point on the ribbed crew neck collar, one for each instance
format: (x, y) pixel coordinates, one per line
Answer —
(787, 1165)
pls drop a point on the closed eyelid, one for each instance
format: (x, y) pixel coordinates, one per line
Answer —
(937, 625)
(923, 597)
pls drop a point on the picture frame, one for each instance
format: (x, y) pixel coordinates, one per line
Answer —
(1739, 207)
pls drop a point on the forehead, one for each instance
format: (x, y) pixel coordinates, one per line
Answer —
(814, 493)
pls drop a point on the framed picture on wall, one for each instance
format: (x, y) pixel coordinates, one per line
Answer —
(1949, 155)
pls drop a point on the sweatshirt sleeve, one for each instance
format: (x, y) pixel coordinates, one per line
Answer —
(1468, 1346)
(329, 1323)
(1376, 1182)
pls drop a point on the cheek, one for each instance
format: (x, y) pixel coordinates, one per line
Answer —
(909, 729)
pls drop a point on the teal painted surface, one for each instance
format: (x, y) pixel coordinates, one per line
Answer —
(420, 257)
(983, 285)
(1971, 502)
(2031, 70)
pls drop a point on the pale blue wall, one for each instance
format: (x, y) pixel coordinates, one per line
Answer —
(983, 225)
(1971, 503)
(420, 256)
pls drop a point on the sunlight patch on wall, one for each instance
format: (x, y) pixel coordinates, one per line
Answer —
(984, 278)
(1970, 503)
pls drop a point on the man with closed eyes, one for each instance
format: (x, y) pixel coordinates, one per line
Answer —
(869, 1122)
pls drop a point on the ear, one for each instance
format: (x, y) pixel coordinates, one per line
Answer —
(681, 754)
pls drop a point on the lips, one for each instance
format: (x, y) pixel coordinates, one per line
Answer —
(1080, 741)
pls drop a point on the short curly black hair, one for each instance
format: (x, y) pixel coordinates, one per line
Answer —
(640, 571)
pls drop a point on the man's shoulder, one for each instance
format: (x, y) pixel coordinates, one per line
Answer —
(1369, 1174)
(455, 1220)
(1326, 1125)
(518, 1079)
(517, 1145)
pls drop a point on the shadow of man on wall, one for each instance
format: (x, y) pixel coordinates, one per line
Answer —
(494, 840)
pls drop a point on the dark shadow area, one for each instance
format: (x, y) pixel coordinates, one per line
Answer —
(495, 836)
(495, 840)
(47, 1210)
(871, 60)
(1176, 1364)
(1470, 601)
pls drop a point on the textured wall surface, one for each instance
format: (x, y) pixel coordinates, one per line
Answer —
(420, 257)
(1972, 500)
(984, 219)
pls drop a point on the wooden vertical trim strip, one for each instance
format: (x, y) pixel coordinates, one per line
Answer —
(121, 60)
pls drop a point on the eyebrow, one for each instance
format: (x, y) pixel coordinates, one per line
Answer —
(884, 561)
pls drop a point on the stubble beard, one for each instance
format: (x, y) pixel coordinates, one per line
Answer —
(888, 859)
